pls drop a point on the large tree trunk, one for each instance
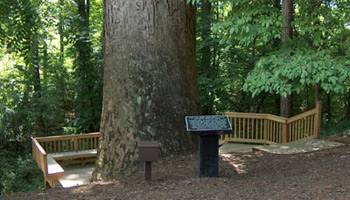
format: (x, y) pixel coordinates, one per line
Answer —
(150, 80)
(287, 13)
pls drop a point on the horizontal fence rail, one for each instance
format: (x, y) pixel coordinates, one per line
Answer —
(271, 129)
(66, 143)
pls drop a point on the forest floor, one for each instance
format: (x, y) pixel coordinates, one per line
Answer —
(321, 174)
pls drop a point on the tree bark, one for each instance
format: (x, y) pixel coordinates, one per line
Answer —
(150, 80)
(347, 114)
(328, 107)
(60, 30)
(207, 69)
(87, 108)
(313, 5)
(317, 92)
(287, 13)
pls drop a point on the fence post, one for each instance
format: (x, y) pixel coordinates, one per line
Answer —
(318, 119)
(265, 130)
(76, 144)
(285, 131)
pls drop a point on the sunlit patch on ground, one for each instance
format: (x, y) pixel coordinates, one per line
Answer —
(235, 161)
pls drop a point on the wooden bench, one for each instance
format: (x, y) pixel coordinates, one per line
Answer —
(51, 152)
(55, 170)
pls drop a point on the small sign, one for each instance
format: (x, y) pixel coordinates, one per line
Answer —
(208, 123)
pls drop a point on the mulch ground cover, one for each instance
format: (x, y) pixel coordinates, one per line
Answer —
(255, 175)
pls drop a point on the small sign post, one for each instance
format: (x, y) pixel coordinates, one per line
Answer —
(148, 153)
(208, 128)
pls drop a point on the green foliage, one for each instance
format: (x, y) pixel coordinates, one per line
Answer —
(19, 173)
(329, 129)
(292, 69)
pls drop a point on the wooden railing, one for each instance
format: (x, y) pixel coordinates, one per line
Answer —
(65, 143)
(271, 129)
(42, 146)
(39, 155)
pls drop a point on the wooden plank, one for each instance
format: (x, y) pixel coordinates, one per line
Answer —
(67, 137)
(312, 125)
(257, 128)
(290, 132)
(298, 129)
(293, 133)
(239, 127)
(261, 135)
(244, 127)
(265, 130)
(307, 126)
(245, 115)
(279, 133)
(38, 146)
(284, 135)
(248, 140)
(74, 154)
(318, 119)
(268, 130)
(302, 127)
(256, 115)
(273, 131)
(235, 135)
(302, 115)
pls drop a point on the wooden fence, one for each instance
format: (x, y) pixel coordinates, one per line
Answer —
(271, 129)
(42, 146)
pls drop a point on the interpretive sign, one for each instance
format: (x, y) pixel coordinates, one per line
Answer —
(208, 123)
(208, 128)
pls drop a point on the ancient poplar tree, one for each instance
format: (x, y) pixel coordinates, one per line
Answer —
(150, 80)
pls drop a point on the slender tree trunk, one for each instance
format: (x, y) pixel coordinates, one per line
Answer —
(207, 69)
(87, 107)
(314, 4)
(60, 31)
(317, 92)
(35, 65)
(287, 13)
(328, 107)
(347, 114)
(150, 80)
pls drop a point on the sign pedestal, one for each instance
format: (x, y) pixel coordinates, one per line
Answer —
(208, 155)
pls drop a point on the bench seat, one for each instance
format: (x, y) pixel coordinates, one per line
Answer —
(74, 154)
(55, 169)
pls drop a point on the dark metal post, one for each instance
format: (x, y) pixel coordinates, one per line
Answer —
(148, 170)
(208, 155)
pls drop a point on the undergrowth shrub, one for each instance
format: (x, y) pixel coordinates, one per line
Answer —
(19, 173)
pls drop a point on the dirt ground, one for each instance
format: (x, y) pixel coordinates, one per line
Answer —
(317, 175)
